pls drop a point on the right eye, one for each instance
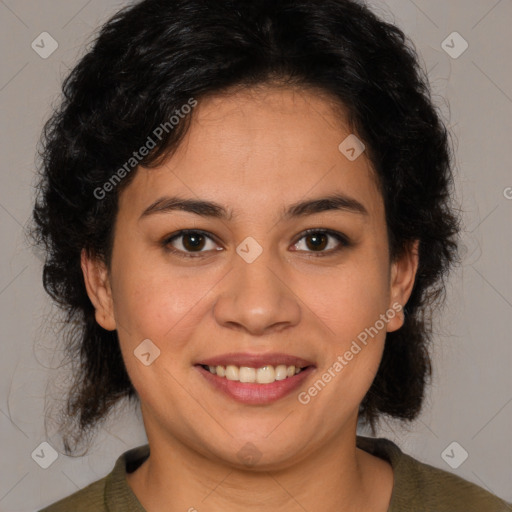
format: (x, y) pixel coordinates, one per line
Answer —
(186, 242)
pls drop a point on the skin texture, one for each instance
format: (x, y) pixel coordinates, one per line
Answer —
(255, 152)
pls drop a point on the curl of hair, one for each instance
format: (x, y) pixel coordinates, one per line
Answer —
(147, 62)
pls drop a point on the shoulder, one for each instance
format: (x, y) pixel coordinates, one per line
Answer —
(88, 499)
(421, 487)
(443, 491)
(110, 492)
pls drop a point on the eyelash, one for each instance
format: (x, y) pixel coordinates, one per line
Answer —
(342, 239)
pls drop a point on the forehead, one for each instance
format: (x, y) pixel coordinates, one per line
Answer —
(255, 149)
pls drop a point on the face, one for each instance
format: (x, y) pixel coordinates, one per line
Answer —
(266, 276)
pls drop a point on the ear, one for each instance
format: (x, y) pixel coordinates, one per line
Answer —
(97, 284)
(403, 274)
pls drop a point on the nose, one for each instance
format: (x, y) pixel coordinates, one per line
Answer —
(256, 298)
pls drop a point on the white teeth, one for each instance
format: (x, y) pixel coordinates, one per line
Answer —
(281, 372)
(247, 374)
(263, 375)
(232, 372)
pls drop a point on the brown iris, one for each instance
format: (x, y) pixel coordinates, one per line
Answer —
(193, 241)
(318, 241)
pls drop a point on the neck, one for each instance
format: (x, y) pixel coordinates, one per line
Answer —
(337, 477)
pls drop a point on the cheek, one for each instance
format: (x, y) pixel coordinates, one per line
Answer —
(351, 298)
(169, 305)
(165, 309)
(350, 302)
(160, 303)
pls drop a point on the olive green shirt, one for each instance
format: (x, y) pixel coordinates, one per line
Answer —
(417, 487)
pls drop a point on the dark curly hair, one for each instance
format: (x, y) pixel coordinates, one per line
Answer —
(147, 62)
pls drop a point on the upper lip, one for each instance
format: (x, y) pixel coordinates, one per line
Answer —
(255, 360)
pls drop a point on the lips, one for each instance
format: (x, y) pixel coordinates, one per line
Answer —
(251, 393)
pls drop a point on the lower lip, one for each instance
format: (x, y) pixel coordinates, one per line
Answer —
(253, 393)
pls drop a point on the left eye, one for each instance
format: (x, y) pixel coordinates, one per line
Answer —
(317, 240)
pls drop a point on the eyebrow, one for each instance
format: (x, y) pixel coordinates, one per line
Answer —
(337, 202)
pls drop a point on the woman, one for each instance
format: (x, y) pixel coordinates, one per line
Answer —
(247, 211)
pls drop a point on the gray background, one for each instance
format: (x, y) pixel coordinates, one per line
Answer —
(470, 401)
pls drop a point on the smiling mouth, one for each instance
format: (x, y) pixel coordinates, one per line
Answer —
(263, 375)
